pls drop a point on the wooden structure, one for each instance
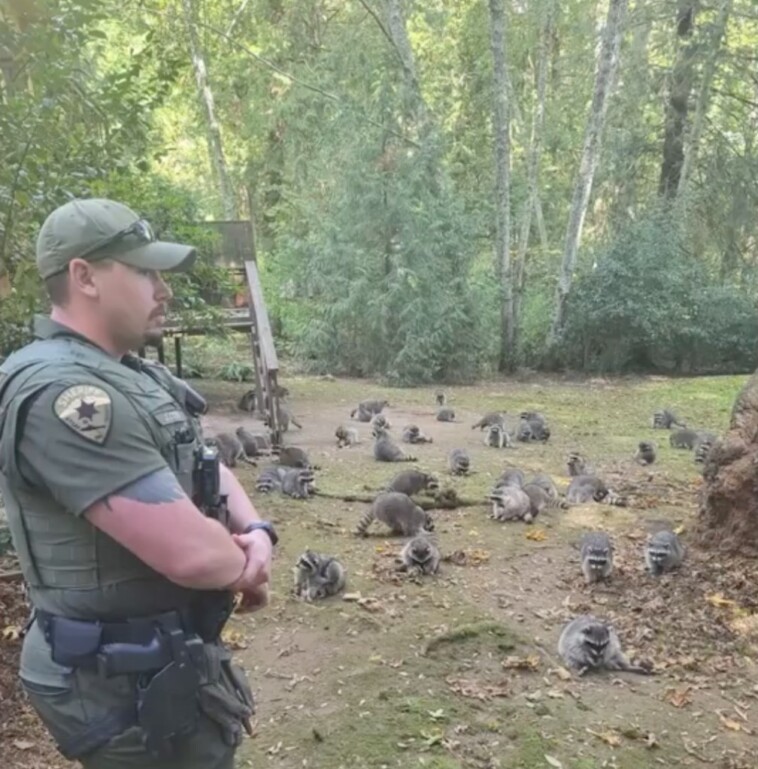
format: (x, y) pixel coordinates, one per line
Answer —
(236, 253)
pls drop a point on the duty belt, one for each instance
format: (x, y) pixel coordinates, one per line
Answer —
(137, 645)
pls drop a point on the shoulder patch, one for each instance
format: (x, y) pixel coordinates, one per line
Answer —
(87, 410)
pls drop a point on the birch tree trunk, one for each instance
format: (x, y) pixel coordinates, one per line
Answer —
(501, 121)
(604, 80)
(399, 36)
(532, 205)
(212, 128)
(677, 108)
(701, 107)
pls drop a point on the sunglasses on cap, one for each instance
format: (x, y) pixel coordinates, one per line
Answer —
(140, 229)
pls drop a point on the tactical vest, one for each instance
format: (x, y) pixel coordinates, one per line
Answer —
(71, 567)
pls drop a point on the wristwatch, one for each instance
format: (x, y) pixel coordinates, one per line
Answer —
(267, 526)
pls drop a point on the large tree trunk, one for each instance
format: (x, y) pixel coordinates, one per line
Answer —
(604, 80)
(728, 500)
(501, 121)
(701, 107)
(680, 86)
(532, 206)
(213, 130)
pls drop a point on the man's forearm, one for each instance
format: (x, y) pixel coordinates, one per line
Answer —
(241, 509)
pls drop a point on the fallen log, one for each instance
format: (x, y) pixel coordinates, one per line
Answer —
(447, 499)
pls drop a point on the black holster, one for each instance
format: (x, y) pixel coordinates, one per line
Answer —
(167, 704)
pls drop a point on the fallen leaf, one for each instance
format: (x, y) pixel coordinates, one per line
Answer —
(11, 633)
(563, 674)
(609, 738)
(351, 597)
(651, 741)
(234, 639)
(23, 744)
(728, 723)
(553, 761)
(536, 535)
(679, 529)
(532, 662)
(436, 714)
(718, 600)
(678, 697)
(477, 691)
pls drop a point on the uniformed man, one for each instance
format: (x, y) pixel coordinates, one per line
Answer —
(117, 513)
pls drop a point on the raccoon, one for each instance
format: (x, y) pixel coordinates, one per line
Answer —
(292, 456)
(411, 482)
(511, 477)
(379, 420)
(664, 552)
(318, 576)
(588, 488)
(230, 450)
(510, 503)
(541, 500)
(285, 419)
(369, 408)
(702, 449)
(247, 401)
(545, 482)
(683, 439)
(663, 419)
(587, 643)
(253, 444)
(413, 434)
(578, 465)
(399, 512)
(346, 436)
(645, 454)
(270, 479)
(597, 556)
(445, 415)
(386, 450)
(420, 555)
(440, 398)
(533, 427)
(489, 419)
(497, 437)
(705, 441)
(459, 462)
(298, 483)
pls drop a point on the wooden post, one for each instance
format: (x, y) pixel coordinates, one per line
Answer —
(178, 354)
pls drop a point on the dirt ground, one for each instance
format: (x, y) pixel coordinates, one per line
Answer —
(461, 669)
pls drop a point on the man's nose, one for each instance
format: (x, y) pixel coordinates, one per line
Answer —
(162, 289)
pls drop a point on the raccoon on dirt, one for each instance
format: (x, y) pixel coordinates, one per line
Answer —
(420, 555)
(459, 462)
(587, 643)
(253, 444)
(412, 482)
(445, 415)
(497, 438)
(664, 552)
(597, 556)
(413, 434)
(664, 419)
(489, 419)
(399, 512)
(230, 449)
(346, 436)
(386, 450)
(511, 503)
(318, 576)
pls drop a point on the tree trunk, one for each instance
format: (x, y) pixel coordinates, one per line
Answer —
(728, 515)
(701, 107)
(680, 86)
(213, 130)
(399, 36)
(604, 80)
(532, 205)
(501, 120)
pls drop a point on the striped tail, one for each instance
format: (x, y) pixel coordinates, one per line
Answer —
(365, 522)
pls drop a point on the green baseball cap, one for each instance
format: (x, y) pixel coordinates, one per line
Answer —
(97, 228)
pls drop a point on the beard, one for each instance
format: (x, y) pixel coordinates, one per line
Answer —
(153, 337)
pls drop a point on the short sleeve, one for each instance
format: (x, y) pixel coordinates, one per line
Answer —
(82, 442)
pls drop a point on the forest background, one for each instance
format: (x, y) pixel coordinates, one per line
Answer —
(439, 190)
